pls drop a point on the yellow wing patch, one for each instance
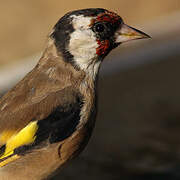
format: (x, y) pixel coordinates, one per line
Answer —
(10, 159)
(24, 137)
(6, 135)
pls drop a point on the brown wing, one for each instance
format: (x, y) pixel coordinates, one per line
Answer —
(36, 96)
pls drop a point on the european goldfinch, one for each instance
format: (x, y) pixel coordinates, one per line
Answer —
(48, 117)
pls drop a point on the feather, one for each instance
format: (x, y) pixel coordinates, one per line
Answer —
(24, 137)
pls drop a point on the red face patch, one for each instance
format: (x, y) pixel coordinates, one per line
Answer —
(103, 46)
(108, 17)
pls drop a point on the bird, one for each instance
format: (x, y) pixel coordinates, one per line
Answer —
(47, 118)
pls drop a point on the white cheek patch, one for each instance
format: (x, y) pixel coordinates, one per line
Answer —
(83, 43)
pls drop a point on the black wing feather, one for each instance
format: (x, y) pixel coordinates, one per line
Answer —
(59, 125)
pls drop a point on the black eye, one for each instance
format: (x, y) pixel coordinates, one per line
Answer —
(99, 27)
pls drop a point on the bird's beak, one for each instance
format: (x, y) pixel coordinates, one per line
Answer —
(127, 33)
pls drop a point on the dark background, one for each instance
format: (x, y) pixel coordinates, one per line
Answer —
(137, 131)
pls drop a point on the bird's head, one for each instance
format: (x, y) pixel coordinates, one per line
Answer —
(85, 37)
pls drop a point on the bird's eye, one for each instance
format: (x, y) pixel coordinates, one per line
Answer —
(99, 28)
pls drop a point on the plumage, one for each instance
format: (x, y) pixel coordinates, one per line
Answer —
(37, 96)
(48, 117)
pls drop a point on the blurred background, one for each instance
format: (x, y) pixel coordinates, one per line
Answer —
(137, 135)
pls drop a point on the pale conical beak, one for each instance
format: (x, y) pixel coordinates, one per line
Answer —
(127, 33)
